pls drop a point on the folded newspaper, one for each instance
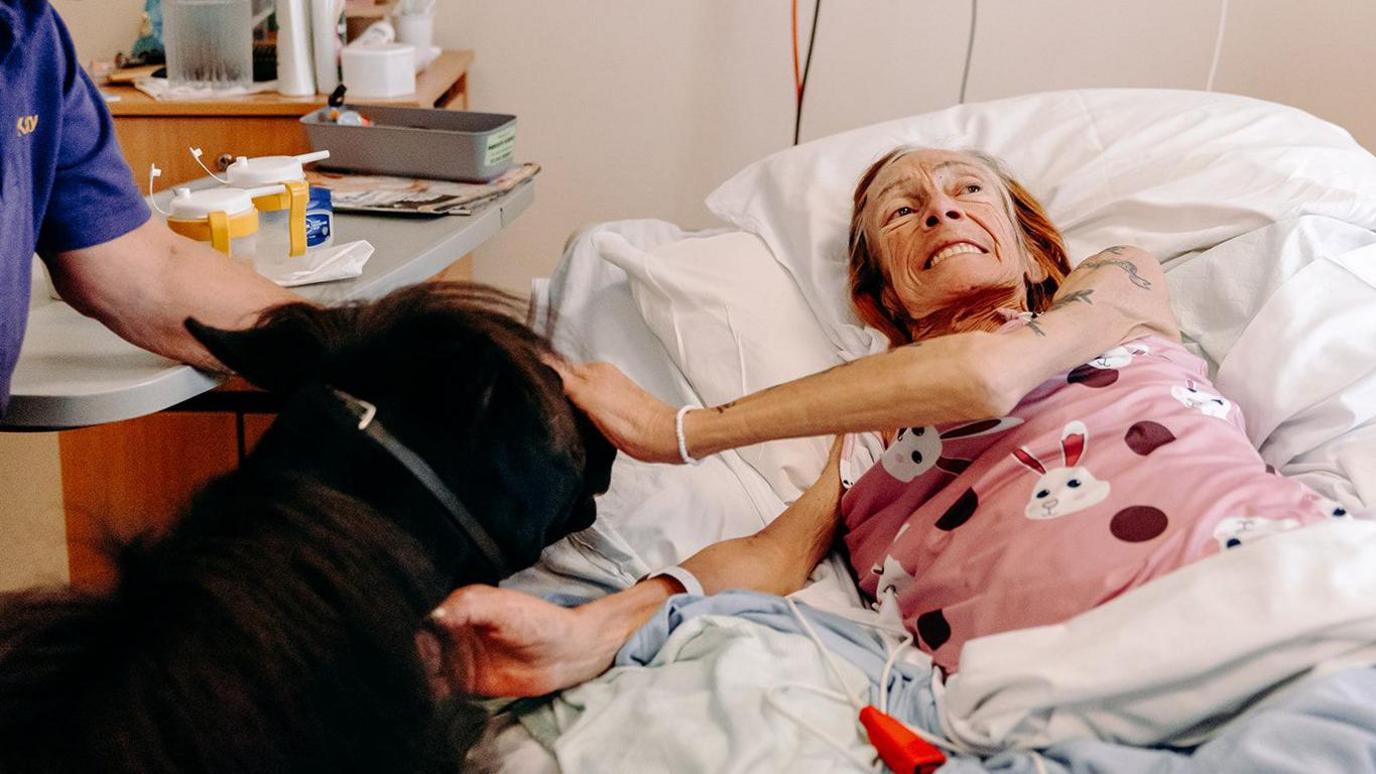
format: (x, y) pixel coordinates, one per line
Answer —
(415, 196)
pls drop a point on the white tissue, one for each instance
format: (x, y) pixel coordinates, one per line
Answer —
(320, 265)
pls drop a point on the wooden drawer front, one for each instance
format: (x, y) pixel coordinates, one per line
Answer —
(167, 140)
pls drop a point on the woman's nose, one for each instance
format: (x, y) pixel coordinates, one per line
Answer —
(940, 210)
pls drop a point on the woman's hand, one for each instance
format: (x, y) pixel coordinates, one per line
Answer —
(635, 421)
(488, 641)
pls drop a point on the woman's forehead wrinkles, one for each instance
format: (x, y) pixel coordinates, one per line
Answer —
(906, 173)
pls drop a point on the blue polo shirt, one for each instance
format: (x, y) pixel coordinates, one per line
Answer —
(63, 183)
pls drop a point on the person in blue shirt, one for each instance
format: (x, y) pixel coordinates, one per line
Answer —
(67, 194)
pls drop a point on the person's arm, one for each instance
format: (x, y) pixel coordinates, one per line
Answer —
(1115, 296)
(778, 558)
(144, 284)
(496, 642)
(1123, 289)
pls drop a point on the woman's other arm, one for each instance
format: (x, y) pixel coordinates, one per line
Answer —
(496, 642)
(1115, 296)
(1112, 297)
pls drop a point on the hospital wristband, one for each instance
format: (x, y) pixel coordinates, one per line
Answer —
(678, 431)
(686, 578)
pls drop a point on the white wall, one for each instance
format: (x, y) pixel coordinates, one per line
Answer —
(638, 108)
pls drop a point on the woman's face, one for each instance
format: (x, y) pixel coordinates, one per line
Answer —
(941, 225)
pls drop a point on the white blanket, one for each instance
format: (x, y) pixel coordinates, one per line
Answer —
(1170, 661)
(704, 704)
(1286, 316)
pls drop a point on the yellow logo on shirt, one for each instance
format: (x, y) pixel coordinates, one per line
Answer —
(26, 124)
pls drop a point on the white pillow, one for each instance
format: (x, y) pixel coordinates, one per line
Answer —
(652, 516)
(734, 322)
(1170, 171)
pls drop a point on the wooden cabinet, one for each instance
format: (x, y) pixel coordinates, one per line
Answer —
(120, 478)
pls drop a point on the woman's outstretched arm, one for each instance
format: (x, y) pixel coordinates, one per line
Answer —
(496, 642)
(1115, 296)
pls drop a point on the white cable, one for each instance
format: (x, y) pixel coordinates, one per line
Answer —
(908, 641)
(945, 744)
(774, 702)
(826, 654)
(1218, 44)
(196, 154)
(153, 173)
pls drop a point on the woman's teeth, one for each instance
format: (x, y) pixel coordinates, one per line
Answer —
(955, 249)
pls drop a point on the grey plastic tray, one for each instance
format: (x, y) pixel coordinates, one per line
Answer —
(416, 142)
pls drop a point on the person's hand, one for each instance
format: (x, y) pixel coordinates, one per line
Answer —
(488, 641)
(635, 421)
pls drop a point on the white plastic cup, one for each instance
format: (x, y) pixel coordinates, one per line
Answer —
(415, 29)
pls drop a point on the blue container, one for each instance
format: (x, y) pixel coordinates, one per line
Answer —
(319, 218)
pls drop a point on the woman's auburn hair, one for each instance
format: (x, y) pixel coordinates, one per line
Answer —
(878, 306)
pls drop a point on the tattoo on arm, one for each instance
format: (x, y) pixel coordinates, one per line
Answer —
(1070, 298)
(1125, 265)
(723, 407)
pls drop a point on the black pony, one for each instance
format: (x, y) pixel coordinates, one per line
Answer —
(423, 445)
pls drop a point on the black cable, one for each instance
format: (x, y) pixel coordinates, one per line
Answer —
(807, 66)
(969, 49)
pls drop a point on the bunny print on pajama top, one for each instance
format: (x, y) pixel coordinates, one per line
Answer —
(1103, 478)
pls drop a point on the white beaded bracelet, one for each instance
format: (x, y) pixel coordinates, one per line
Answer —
(678, 431)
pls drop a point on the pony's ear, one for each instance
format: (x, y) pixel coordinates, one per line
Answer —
(277, 356)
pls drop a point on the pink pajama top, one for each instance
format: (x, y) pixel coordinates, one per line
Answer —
(1103, 478)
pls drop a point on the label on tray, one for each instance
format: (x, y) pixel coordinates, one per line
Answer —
(501, 147)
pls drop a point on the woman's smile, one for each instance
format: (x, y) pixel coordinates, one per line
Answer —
(951, 250)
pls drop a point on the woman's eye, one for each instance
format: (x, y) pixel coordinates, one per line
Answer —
(973, 188)
(902, 212)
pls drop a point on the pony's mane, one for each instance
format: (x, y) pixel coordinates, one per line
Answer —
(263, 589)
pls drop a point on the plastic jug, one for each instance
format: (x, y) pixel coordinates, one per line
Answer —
(282, 227)
(224, 217)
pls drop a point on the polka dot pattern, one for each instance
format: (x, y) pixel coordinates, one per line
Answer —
(1146, 437)
(1138, 523)
(1090, 376)
(959, 512)
(933, 629)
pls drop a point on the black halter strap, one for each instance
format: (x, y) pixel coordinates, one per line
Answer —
(459, 516)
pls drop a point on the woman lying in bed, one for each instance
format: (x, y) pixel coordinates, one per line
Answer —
(1058, 446)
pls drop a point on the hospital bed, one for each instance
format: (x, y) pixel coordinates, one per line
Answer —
(1262, 215)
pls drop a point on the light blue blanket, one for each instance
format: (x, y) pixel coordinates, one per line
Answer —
(1325, 725)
